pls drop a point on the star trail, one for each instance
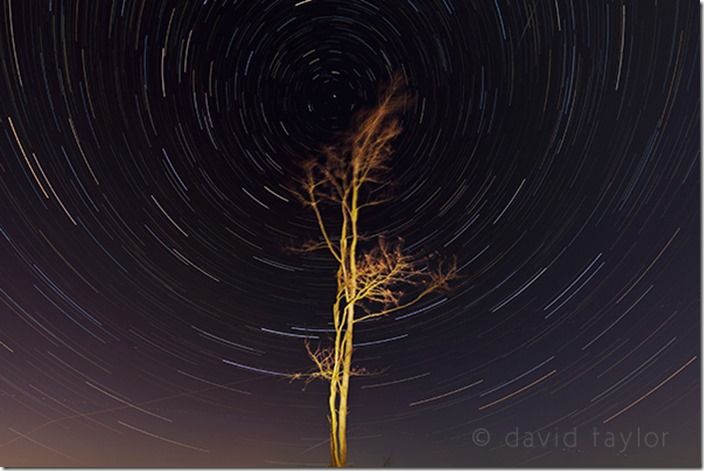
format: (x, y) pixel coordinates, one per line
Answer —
(151, 311)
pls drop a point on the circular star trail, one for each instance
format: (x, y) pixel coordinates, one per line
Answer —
(150, 311)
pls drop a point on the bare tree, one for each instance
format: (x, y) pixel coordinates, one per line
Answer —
(374, 276)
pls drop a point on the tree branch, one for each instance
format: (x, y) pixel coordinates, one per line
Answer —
(385, 312)
(321, 225)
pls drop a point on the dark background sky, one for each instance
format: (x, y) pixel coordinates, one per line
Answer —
(147, 308)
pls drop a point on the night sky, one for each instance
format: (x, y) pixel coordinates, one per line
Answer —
(149, 312)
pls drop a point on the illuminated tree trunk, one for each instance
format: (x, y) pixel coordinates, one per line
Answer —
(345, 327)
(339, 449)
(332, 418)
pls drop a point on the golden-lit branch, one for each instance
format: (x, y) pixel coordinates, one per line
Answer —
(437, 281)
(387, 276)
(324, 360)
